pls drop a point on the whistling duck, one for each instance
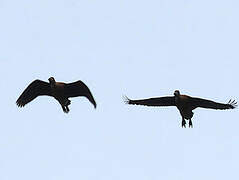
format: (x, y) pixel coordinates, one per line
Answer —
(59, 90)
(184, 103)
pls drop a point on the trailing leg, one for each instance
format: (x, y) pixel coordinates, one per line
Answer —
(65, 109)
(68, 102)
(64, 104)
(183, 123)
(190, 123)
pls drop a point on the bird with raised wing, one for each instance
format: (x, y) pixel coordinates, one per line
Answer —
(184, 103)
(59, 90)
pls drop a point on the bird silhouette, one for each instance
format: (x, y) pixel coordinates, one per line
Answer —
(184, 103)
(59, 90)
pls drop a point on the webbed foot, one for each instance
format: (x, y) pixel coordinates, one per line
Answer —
(190, 123)
(183, 123)
(65, 109)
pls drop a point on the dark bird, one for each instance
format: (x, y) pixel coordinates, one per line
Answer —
(59, 90)
(184, 103)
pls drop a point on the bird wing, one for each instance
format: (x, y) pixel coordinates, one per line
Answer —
(204, 103)
(36, 88)
(79, 88)
(161, 101)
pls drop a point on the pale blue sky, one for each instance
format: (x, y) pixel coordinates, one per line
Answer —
(136, 48)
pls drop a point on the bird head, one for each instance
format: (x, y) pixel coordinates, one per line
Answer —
(51, 80)
(176, 93)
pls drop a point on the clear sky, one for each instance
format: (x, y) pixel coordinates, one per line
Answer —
(136, 48)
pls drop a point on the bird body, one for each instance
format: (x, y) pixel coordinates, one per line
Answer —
(59, 90)
(185, 104)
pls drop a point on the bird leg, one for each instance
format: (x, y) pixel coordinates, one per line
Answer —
(68, 102)
(183, 123)
(64, 104)
(190, 123)
(65, 109)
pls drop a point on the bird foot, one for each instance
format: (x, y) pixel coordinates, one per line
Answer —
(183, 124)
(65, 109)
(190, 124)
(68, 103)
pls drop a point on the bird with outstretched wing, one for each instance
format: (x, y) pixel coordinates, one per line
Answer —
(184, 103)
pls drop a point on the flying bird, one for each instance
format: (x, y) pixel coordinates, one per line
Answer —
(59, 90)
(184, 103)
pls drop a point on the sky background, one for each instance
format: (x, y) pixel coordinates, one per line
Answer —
(136, 48)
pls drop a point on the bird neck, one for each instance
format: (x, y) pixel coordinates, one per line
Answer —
(176, 98)
(53, 85)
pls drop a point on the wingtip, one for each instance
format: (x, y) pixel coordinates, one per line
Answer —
(19, 104)
(233, 104)
(126, 99)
